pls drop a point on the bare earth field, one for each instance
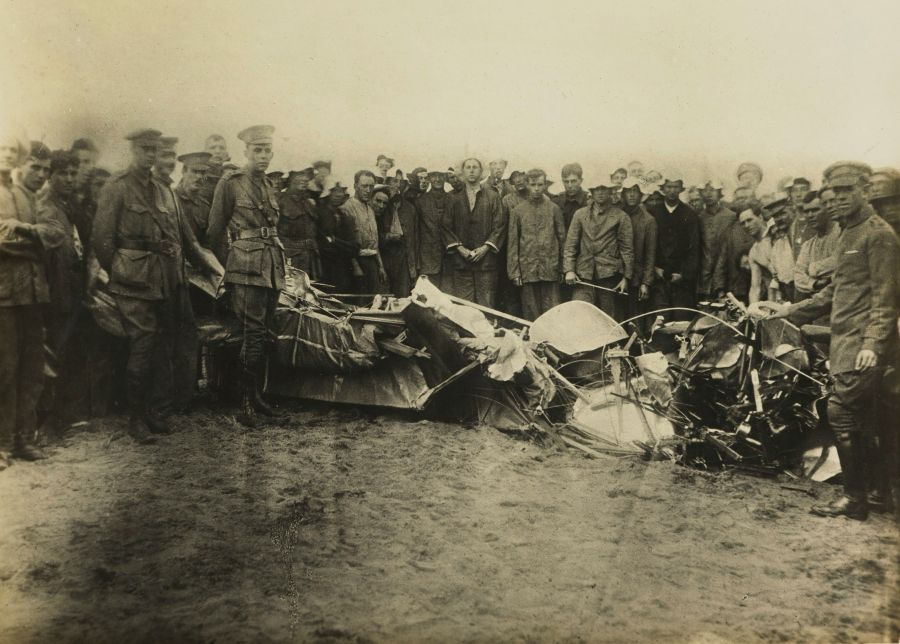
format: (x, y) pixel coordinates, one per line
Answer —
(346, 526)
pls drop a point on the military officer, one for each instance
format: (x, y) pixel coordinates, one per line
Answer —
(243, 233)
(141, 239)
(863, 301)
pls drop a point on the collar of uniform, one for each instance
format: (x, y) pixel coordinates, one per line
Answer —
(144, 176)
(859, 216)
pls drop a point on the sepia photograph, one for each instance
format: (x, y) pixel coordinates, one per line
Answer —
(352, 322)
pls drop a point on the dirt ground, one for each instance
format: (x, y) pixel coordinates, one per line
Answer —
(349, 526)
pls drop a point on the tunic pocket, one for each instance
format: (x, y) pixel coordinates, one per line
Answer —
(246, 258)
(135, 268)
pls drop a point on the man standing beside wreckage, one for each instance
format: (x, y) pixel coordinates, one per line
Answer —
(537, 234)
(140, 238)
(475, 231)
(599, 250)
(242, 232)
(863, 301)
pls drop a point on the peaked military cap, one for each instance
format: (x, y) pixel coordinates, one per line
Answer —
(145, 135)
(195, 159)
(257, 134)
(846, 173)
(884, 183)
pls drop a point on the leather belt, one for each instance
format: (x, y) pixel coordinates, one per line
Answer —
(160, 247)
(258, 233)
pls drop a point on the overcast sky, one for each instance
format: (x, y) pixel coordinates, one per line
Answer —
(690, 88)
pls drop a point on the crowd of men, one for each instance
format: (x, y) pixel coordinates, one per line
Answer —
(630, 242)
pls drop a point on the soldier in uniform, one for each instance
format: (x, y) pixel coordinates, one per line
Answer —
(24, 236)
(165, 160)
(141, 238)
(884, 195)
(243, 233)
(189, 191)
(298, 224)
(863, 301)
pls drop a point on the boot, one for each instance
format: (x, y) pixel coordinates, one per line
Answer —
(262, 406)
(259, 403)
(157, 423)
(139, 431)
(844, 506)
(853, 504)
(25, 451)
(247, 416)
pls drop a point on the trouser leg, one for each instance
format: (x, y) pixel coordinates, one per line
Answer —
(142, 324)
(850, 416)
(185, 351)
(486, 288)
(582, 294)
(530, 300)
(463, 284)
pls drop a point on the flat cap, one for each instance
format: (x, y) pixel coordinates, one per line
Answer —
(309, 173)
(846, 173)
(673, 182)
(748, 167)
(382, 157)
(417, 171)
(321, 164)
(145, 135)
(195, 159)
(798, 181)
(168, 142)
(884, 183)
(773, 206)
(275, 174)
(437, 173)
(257, 134)
(604, 182)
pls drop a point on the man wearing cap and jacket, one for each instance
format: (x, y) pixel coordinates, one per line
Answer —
(141, 238)
(714, 219)
(243, 233)
(863, 301)
(643, 227)
(537, 234)
(24, 237)
(599, 250)
(677, 252)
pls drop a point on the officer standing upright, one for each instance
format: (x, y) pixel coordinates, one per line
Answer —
(863, 301)
(243, 234)
(140, 239)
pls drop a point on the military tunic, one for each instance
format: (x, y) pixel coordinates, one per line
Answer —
(142, 240)
(863, 299)
(243, 234)
(297, 227)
